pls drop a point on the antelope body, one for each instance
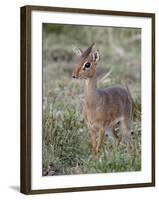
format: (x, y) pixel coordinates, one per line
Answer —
(103, 108)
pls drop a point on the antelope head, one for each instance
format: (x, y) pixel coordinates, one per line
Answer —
(85, 66)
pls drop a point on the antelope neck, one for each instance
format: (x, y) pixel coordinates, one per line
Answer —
(90, 90)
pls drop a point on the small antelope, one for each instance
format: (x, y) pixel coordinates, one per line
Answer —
(103, 108)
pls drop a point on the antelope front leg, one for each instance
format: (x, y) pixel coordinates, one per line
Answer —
(93, 143)
(100, 139)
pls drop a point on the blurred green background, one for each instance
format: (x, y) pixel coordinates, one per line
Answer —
(65, 135)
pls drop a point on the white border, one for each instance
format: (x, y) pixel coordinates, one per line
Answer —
(39, 182)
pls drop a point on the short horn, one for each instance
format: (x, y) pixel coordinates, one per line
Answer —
(87, 51)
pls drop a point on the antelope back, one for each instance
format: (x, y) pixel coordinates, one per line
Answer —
(85, 66)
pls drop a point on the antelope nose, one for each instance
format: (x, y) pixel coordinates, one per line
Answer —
(73, 76)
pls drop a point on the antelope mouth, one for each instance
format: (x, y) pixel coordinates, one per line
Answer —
(78, 77)
(74, 76)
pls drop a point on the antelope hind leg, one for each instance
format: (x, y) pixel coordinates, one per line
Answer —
(116, 137)
(125, 135)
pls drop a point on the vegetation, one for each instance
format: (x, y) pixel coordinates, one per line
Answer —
(65, 135)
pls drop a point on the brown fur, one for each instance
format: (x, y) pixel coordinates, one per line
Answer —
(103, 108)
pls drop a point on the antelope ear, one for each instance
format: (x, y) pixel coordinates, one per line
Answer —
(95, 56)
(77, 51)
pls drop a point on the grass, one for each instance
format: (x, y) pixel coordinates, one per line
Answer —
(66, 145)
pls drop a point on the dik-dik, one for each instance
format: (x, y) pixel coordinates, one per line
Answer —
(103, 108)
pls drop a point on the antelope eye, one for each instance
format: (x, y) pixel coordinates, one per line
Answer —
(87, 65)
